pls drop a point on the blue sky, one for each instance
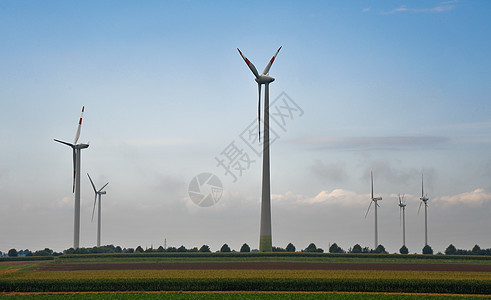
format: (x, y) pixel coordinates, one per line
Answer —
(397, 87)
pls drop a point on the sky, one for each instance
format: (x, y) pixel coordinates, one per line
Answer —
(400, 88)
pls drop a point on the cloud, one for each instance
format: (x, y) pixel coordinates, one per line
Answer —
(477, 197)
(375, 143)
(442, 7)
(367, 9)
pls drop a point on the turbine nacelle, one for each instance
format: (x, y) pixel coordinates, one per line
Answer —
(264, 79)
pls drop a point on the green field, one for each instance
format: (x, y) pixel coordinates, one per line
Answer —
(22, 276)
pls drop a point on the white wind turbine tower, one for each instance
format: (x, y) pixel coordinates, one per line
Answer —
(402, 211)
(375, 200)
(265, 240)
(99, 193)
(77, 152)
(424, 199)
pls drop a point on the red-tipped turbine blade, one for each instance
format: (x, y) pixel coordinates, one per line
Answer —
(266, 70)
(77, 135)
(251, 66)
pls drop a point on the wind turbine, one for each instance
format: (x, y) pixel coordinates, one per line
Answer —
(402, 211)
(265, 240)
(97, 193)
(374, 200)
(424, 199)
(77, 153)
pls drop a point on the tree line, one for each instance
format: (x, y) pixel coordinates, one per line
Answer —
(334, 248)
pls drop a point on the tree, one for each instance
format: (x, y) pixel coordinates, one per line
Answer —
(290, 248)
(139, 249)
(379, 249)
(12, 252)
(245, 248)
(335, 249)
(277, 249)
(118, 249)
(181, 249)
(204, 248)
(403, 250)
(311, 248)
(476, 250)
(427, 250)
(356, 249)
(451, 250)
(225, 248)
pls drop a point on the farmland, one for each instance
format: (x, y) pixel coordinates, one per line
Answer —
(259, 273)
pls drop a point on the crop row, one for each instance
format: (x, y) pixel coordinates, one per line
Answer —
(279, 254)
(243, 274)
(251, 284)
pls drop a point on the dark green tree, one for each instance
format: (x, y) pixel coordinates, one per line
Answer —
(118, 249)
(427, 250)
(225, 248)
(476, 250)
(139, 249)
(335, 249)
(380, 249)
(290, 248)
(245, 248)
(182, 249)
(12, 252)
(356, 249)
(451, 250)
(311, 248)
(403, 250)
(204, 248)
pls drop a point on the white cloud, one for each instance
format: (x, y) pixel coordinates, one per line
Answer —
(475, 198)
(444, 6)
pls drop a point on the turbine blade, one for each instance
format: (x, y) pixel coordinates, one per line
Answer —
(259, 113)
(400, 216)
(65, 143)
(77, 135)
(91, 182)
(266, 70)
(93, 209)
(368, 209)
(249, 64)
(103, 187)
(422, 191)
(420, 206)
(371, 177)
(74, 168)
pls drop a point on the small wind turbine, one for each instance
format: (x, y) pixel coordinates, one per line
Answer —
(265, 240)
(77, 153)
(424, 199)
(402, 211)
(99, 193)
(376, 205)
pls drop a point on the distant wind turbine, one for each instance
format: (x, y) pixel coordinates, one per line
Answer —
(77, 153)
(375, 200)
(265, 240)
(99, 193)
(424, 199)
(402, 211)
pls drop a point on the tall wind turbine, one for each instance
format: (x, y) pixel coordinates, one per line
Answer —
(77, 152)
(265, 240)
(402, 211)
(374, 200)
(99, 193)
(424, 199)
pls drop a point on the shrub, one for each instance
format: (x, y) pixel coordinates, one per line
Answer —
(356, 249)
(290, 248)
(403, 250)
(451, 250)
(225, 248)
(245, 248)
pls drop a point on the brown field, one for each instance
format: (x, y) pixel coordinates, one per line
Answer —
(267, 266)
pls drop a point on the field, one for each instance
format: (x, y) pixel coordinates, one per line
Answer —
(264, 275)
